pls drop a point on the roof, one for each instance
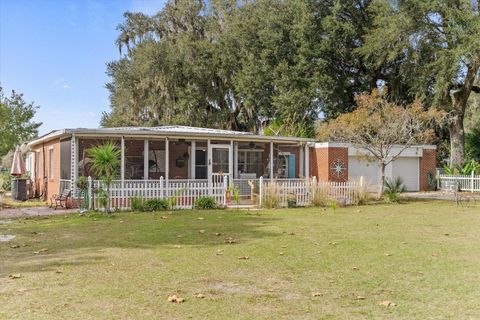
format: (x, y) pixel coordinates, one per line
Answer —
(165, 131)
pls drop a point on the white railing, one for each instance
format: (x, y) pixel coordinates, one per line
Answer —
(304, 192)
(462, 182)
(182, 194)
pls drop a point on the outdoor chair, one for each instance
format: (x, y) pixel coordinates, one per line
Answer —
(61, 199)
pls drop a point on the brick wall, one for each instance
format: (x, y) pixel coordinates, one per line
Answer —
(428, 165)
(321, 160)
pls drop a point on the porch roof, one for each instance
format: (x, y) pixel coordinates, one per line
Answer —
(166, 131)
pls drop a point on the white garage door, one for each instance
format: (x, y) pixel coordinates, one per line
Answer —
(358, 167)
(408, 169)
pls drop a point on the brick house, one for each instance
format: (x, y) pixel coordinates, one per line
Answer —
(179, 153)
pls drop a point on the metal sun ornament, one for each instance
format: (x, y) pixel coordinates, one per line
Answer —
(338, 168)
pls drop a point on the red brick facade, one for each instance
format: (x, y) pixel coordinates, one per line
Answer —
(428, 165)
(322, 160)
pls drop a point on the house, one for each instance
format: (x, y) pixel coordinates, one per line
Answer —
(180, 154)
(174, 153)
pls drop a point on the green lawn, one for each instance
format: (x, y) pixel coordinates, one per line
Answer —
(422, 256)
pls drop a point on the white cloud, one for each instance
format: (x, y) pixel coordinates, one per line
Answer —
(67, 86)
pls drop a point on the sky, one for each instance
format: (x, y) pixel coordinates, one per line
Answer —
(55, 53)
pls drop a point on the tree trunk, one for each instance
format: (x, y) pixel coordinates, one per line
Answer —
(460, 98)
(457, 141)
(382, 181)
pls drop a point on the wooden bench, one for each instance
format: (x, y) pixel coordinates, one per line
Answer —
(61, 199)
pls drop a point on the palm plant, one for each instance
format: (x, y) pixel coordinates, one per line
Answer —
(105, 163)
(393, 188)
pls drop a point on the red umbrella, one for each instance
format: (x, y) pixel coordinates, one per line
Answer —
(18, 165)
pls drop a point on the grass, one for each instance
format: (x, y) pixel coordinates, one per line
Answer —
(9, 203)
(423, 256)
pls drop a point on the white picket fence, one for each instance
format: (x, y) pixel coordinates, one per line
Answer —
(301, 192)
(464, 182)
(182, 193)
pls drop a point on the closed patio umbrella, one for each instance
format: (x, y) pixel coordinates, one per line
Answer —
(18, 165)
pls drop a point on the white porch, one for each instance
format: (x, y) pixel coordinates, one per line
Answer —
(158, 165)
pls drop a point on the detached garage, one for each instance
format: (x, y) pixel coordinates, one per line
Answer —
(342, 162)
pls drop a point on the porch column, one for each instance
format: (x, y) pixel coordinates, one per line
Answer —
(122, 159)
(167, 160)
(193, 160)
(122, 169)
(230, 164)
(301, 161)
(73, 163)
(307, 161)
(235, 160)
(271, 160)
(145, 159)
(209, 167)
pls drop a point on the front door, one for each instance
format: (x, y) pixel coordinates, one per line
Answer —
(219, 162)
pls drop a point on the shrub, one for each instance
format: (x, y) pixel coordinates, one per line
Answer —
(205, 203)
(136, 204)
(271, 198)
(156, 205)
(6, 182)
(393, 188)
(292, 200)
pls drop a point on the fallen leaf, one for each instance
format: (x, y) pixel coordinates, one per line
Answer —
(58, 271)
(15, 276)
(164, 217)
(202, 231)
(281, 253)
(271, 290)
(218, 234)
(291, 234)
(355, 269)
(244, 258)
(200, 218)
(175, 299)
(316, 294)
(387, 303)
(178, 246)
(434, 254)
(332, 243)
(199, 296)
(22, 290)
(15, 246)
(219, 252)
(230, 240)
(360, 298)
(284, 247)
(388, 254)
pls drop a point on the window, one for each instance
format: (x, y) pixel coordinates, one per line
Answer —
(250, 161)
(52, 164)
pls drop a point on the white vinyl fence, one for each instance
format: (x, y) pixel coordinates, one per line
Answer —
(304, 192)
(462, 182)
(181, 193)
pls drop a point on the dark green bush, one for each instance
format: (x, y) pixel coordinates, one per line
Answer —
(156, 205)
(204, 203)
